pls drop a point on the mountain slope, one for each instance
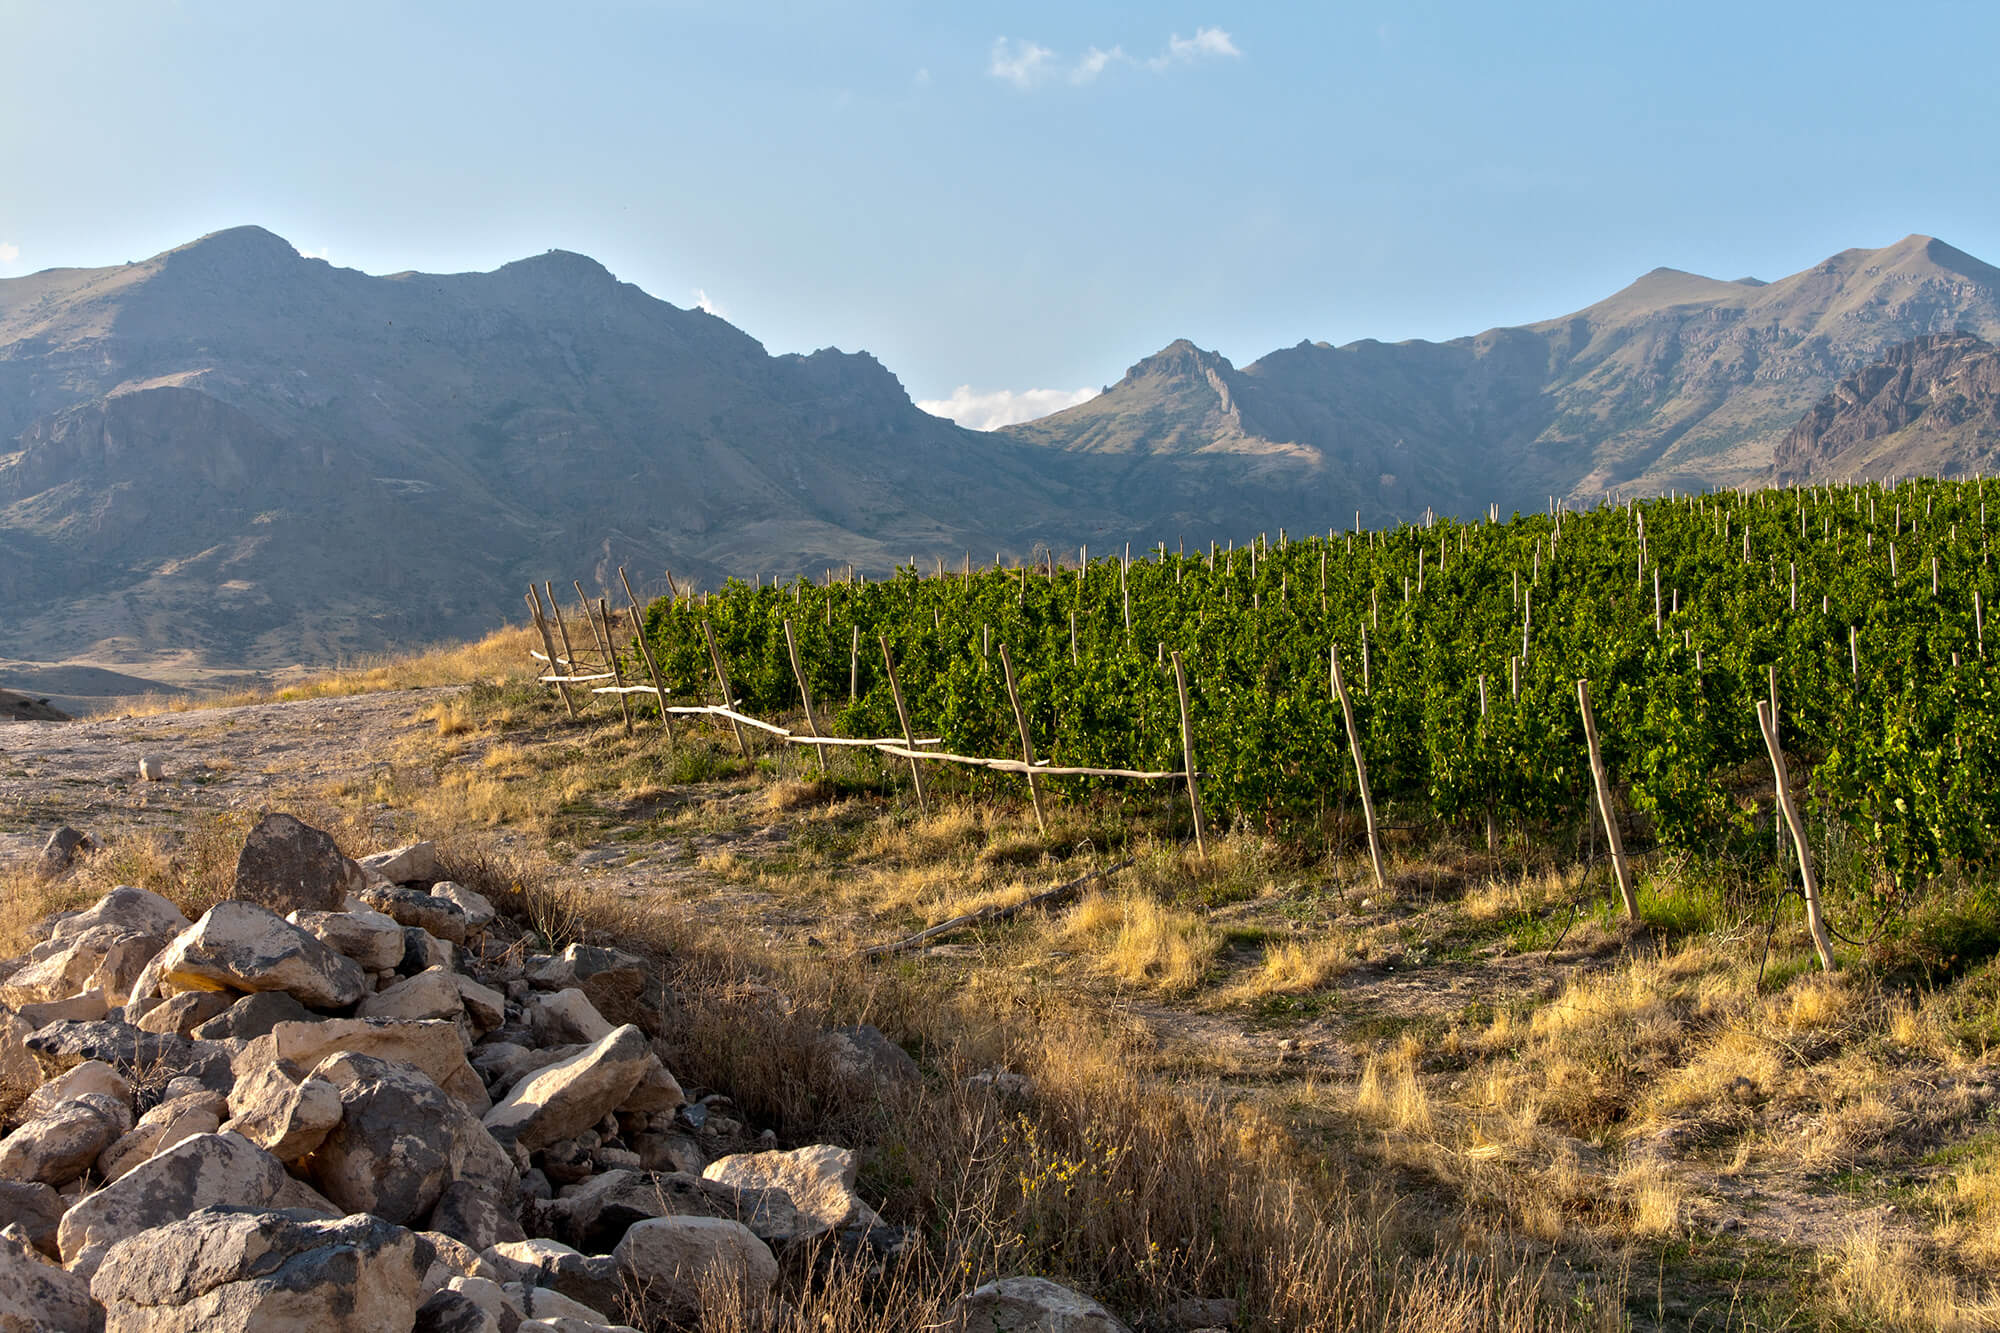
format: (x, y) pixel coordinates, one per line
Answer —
(239, 453)
(1932, 405)
(1676, 381)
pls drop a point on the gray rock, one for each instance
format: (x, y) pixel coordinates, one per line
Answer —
(1029, 1305)
(89, 1076)
(107, 957)
(161, 1128)
(289, 866)
(283, 1112)
(401, 1140)
(38, 1297)
(371, 939)
(672, 1259)
(450, 1311)
(154, 1056)
(431, 1045)
(59, 852)
(472, 1213)
(566, 1017)
(87, 1007)
(432, 993)
(479, 912)
(60, 1144)
(243, 946)
(592, 1280)
(412, 907)
(200, 1172)
(863, 1052)
(36, 1208)
(184, 1013)
(819, 1180)
(568, 1097)
(140, 911)
(253, 1016)
(416, 863)
(263, 1272)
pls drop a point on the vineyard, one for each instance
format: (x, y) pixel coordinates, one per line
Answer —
(1861, 607)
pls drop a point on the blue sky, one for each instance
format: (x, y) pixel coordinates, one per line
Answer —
(1015, 198)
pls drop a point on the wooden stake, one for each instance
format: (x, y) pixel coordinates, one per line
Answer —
(646, 653)
(805, 694)
(1767, 722)
(548, 646)
(854, 665)
(611, 656)
(722, 678)
(1360, 771)
(603, 635)
(903, 716)
(1187, 760)
(1603, 781)
(569, 653)
(1027, 745)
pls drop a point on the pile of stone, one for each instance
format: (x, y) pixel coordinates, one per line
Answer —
(353, 1097)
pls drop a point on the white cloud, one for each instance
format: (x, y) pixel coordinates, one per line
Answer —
(1093, 64)
(9, 253)
(702, 303)
(1003, 407)
(320, 253)
(1027, 64)
(1023, 64)
(923, 77)
(1206, 42)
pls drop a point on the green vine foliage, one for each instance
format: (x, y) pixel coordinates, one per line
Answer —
(1899, 740)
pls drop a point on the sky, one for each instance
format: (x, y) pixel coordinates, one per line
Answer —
(1010, 204)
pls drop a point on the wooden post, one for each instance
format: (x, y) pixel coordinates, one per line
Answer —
(646, 652)
(854, 665)
(556, 667)
(617, 673)
(1187, 760)
(1360, 770)
(722, 679)
(903, 716)
(1027, 745)
(603, 634)
(1603, 781)
(569, 653)
(1767, 722)
(805, 693)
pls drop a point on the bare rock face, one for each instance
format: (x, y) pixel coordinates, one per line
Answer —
(60, 1144)
(566, 1098)
(242, 946)
(261, 1272)
(290, 866)
(200, 1172)
(38, 1297)
(819, 1181)
(400, 1141)
(283, 1112)
(1017, 1304)
(673, 1258)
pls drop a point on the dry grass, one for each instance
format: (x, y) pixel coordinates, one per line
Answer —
(1137, 941)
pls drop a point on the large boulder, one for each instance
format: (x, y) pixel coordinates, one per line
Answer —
(431, 1045)
(135, 1054)
(478, 908)
(431, 993)
(415, 863)
(624, 987)
(242, 946)
(1028, 1305)
(252, 1016)
(590, 1279)
(594, 1215)
(566, 1017)
(140, 911)
(108, 957)
(206, 1170)
(400, 1141)
(371, 939)
(187, 1011)
(283, 1112)
(36, 1208)
(60, 1144)
(38, 1297)
(289, 866)
(568, 1097)
(819, 1180)
(247, 1272)
(413, 907)
(673, 1259)
(90, 1076)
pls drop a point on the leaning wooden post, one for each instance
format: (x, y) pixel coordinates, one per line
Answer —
(1027, 745)
(805, 693)
(1603, 781)
(569, 653)
(603, 633)
(1187, 759)
(1815, 924)
(556, 667)
(646, 654)
(728, 694)
(903, 716)
(1360, 771)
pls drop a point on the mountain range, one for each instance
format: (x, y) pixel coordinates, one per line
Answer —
(234, 454)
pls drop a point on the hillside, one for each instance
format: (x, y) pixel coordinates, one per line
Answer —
(1932, 405)
(1676, 381)
(238, 454)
